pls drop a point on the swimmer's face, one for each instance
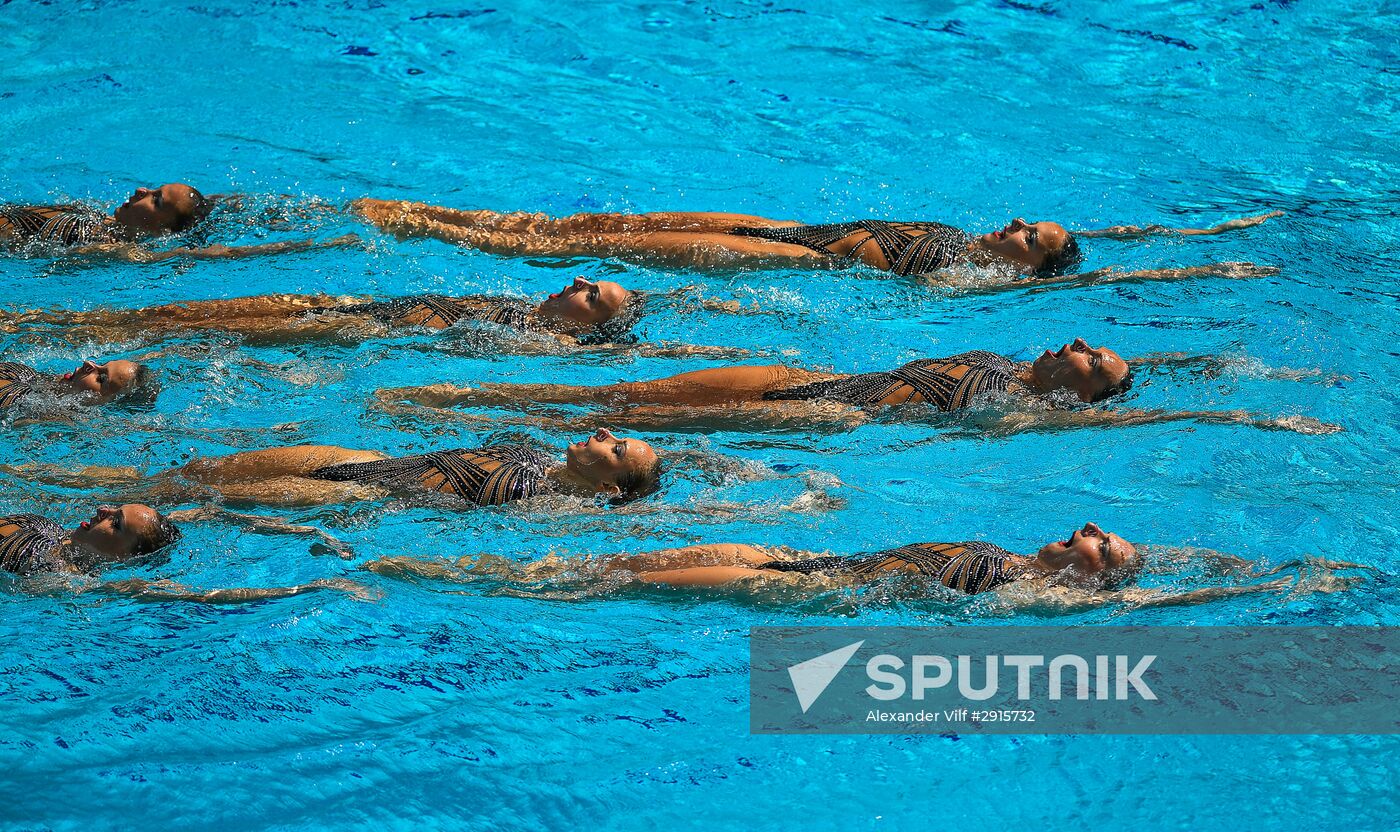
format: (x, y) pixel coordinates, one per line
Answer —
(102, 381)
(118, 531)
(1028, 244)
(586, 302)
(605, 460)
(1086, 371)
(171, 207)
(1089, 551)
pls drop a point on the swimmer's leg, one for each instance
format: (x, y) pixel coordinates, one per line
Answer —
(706, 576)
(270, 463)
(689, 557)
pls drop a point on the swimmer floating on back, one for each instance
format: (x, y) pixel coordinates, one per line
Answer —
(602, 464)
(1092, 560)
(34, 547)
(90, 383)
(148, 214)
(718, 240)
(776, 396)
(583, 311)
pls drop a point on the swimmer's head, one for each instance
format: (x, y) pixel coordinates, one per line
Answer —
(124, 533)
(1042, 247)
(113, 380)
(169, 209)
(623, 468)
(1090, 373)
(1092, 552)
(585, 302)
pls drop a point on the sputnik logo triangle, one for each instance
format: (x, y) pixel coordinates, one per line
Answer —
(811, 678)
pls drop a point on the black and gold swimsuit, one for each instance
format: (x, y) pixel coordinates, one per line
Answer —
(30, 544)
(489, 476)
(16, 382)
(908, 247)
(440, 311)
(65, 225)
(972, 566)
(948, 383)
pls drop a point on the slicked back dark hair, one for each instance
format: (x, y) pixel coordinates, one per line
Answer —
(1124, 385)
(1063, 260)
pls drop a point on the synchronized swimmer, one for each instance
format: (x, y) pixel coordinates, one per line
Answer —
(777, 396)
(720, 240)
(616, 468)
(583, 311)
(1089, 568)
(90, 383)
(148, 215)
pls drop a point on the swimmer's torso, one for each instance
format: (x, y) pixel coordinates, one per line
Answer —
(947, 383)
(30, 544)
(901, 247)
(972, 566)
(64, 225)
(16, 382)
(440, 312)
(489, 476)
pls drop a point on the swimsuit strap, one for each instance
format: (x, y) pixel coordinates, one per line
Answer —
(30, 543)
(16, 382)
(67, 225)
(908, 247)
(489, 476)
(947, 383)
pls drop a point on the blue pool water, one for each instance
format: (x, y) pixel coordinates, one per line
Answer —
(469, 707)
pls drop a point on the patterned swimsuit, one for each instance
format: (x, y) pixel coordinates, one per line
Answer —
(65, 225)
(972, 566)
(908, 247)
(440, 311)
(16, 382)
(490, 476)
(948, 383)
(30, 544)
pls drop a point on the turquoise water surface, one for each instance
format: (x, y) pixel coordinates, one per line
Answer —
(470, 706)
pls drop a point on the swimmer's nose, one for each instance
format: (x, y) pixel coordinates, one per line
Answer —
(1017, 224)
(103, 512)
(604, 435)
(1093, 528)
(86, 368)
(1080, 345)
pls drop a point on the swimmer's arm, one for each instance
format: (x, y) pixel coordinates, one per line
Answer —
(664, 350)
(324, 543)
(406, 567)
(132, 253)
(491, 395)
(747, 416)
(1102, 277)
(87, 477)
(1211, 366)
(158, 591)
(1132, 232)
(1023, 422)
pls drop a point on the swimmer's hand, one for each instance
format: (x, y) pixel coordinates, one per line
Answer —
(1298, 424)
(1243, 222)
(1240, 270)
